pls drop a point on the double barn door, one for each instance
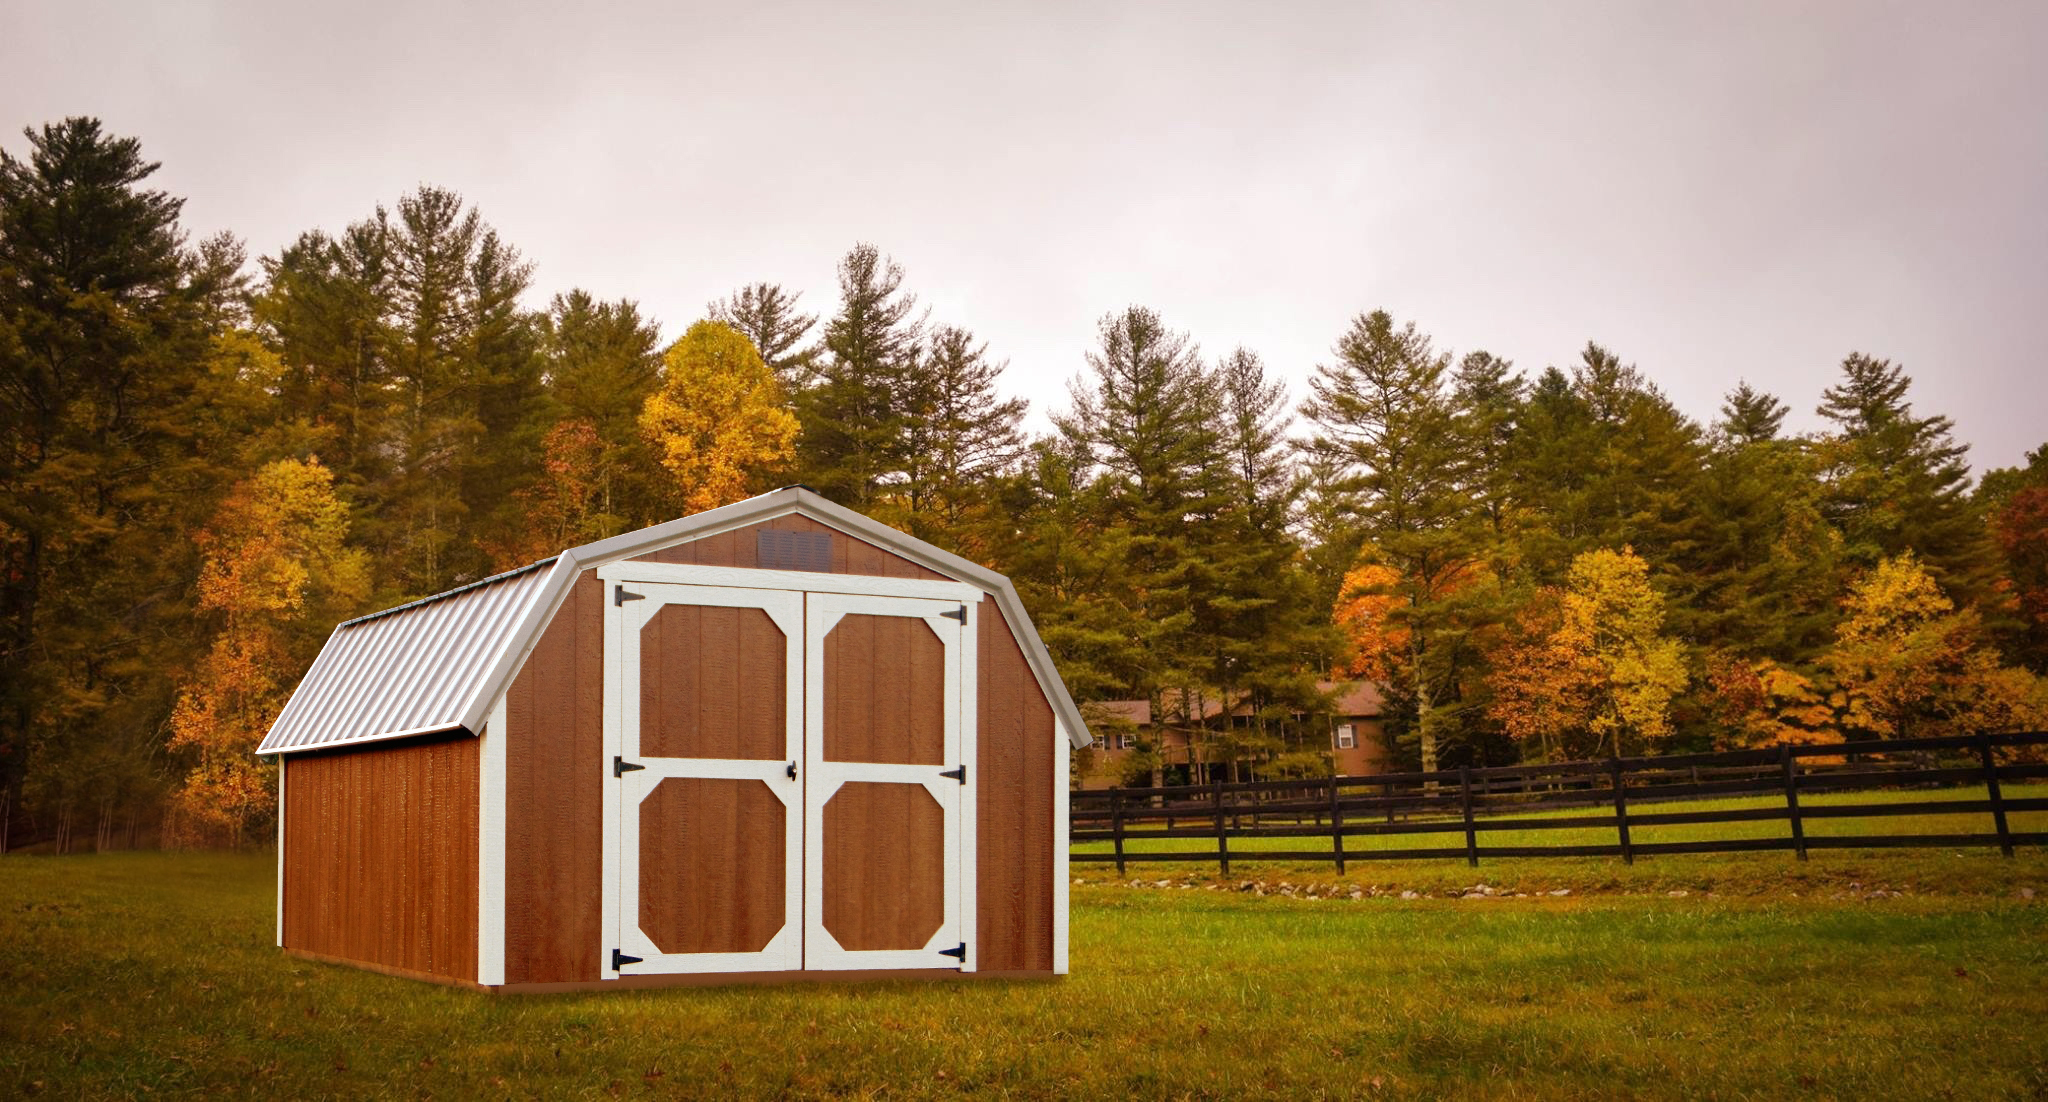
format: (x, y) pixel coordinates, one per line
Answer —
(786, 771)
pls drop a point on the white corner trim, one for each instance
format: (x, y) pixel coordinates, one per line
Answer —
(970, 819)
(1062, 760)
(280, 850)
(490, 876)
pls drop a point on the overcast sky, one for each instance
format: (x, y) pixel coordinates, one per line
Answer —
(1715, 191)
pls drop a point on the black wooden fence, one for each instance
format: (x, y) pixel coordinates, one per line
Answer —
(1474, 802)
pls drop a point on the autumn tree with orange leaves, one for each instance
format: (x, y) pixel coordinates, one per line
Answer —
(276, 576)
(1591, 659)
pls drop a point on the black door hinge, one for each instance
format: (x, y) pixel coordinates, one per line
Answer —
(958, 773)
(792, 770)
(960, 951)
(621, 767)
(620, 960)
(620, 596)
(959, 614)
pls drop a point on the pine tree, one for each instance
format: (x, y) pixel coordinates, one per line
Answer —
(1750, 416)
(1767, 571)
(109, 456)
(958, 433)
(1489, 397)
(1384, 411)
(1146, 415)
(1896, 482)
(851, 446)
(1267, 636)
(767, 315)
(2018, 500)
(325, 308)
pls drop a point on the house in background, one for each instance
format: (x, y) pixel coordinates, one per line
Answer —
(1354, 728)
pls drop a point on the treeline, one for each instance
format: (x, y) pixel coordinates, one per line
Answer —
(209, 461)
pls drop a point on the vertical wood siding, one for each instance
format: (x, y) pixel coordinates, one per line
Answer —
(555, 775)
(1014, 803)
(380, 860)
(554, 798)
(739, 548)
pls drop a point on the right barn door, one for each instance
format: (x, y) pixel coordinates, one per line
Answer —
(884, 786)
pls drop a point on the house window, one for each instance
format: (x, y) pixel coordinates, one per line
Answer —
(1126, 741)
(1346, 737)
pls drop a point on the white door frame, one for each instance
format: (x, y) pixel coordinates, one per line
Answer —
(948, 619)
(793, 585)
(624, 792)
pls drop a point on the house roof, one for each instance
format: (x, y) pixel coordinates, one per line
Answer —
(1353, 698)
(439, 664)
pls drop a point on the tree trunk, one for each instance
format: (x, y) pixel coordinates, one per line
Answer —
(1422, 703)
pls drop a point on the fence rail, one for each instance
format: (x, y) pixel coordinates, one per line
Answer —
(1473, 802)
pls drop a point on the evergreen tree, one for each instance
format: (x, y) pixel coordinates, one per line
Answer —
(1767, 572)
(325, 310)
(958, 433)
(602, 361)
(1384, 411)
(1147, 413)
(1489, 395)
(1603, 459)
(1266, 635)
(767, 315)
(1896, 482)
(1750, 416)
(851, 445)
(109, 457)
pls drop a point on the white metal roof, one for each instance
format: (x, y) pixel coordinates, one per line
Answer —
(440, 664)
(407, 670)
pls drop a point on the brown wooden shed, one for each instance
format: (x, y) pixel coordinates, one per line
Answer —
(777, 740)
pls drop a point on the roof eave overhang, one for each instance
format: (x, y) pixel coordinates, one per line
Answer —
(790, 499)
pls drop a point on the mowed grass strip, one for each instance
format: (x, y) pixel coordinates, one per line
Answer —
(146, 974)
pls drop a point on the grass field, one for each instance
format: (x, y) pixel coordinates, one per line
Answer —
(149, 975)
(1453, 835)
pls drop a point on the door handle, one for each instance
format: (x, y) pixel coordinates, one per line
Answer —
(792, 770)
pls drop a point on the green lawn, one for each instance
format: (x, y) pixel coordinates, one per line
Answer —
(146, 974)
(1452, 832)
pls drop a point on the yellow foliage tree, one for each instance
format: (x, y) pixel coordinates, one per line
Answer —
(1609, 603)
(1590, 658)
(277, 573)
(718, 417)
(1907, 662)
(1762, 703)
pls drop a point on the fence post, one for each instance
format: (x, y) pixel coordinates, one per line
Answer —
(1628, 853)
(1387, 795)
(1336, 825)
(1997, 795)
(1116, 826)
(1471, 835)
(1222, 839)
(1791, 768)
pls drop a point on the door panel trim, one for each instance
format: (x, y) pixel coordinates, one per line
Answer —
(787, 597)
(620, 921)
(822, 612)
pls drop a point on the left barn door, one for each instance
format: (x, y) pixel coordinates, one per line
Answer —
(707, 692)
